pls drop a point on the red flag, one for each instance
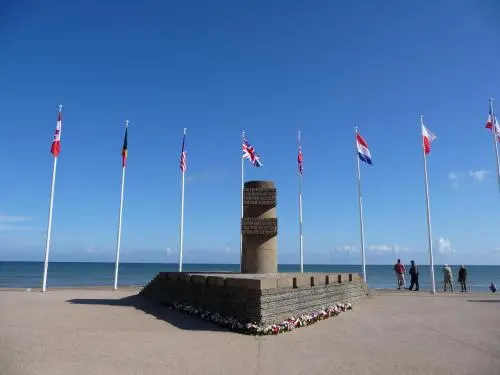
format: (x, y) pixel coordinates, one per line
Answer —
(56, 142)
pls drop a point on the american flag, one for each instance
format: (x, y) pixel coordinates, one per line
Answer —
(55, 149)
(300, 160)
(250, 154)
(183, 154)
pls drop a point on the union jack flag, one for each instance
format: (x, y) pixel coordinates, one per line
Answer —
(250, 154)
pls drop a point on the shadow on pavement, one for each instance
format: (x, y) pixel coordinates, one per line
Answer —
(484, 300)
(138, 302)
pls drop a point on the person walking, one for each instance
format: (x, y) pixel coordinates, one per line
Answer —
(448, 277)
(414, 276)
(400, 270)
(462, 278)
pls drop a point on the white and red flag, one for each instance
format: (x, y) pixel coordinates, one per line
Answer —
(427, 138)
(55, 149)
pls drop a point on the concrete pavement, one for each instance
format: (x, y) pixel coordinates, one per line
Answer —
(85, 331)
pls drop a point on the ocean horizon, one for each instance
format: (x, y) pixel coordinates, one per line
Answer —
(26, 274)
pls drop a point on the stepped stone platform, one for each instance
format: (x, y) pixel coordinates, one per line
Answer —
(256, 298)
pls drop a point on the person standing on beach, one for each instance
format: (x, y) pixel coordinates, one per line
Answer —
(400, 270)
(448, 277)
(493, 288)
(414, 276)
(462, 278)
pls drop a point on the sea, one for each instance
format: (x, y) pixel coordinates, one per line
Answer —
(82, 274)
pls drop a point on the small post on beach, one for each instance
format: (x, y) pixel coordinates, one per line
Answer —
(496, 137)
(301, 171)
(55, 150)
(242, 189)
(124, 166)
(183, 166)
(360, 206)
(429, 229)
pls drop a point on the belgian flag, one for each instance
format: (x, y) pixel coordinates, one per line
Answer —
(124, 149)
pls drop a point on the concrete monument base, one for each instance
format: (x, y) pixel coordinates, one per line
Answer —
(256, 298)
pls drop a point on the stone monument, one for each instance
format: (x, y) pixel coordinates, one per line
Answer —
(258, 295)
(259, 228)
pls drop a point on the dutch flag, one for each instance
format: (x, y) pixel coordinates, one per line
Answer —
(363, 151)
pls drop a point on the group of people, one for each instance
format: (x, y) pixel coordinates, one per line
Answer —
(400, 270)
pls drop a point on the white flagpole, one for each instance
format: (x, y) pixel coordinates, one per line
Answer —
(242, 188)
(181, 240)
(495, 140)
(429, 229)
(301, 235)
(49, 226)
(361, 221)
(119, 240)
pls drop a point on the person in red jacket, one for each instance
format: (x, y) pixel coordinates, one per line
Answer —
(400, 270)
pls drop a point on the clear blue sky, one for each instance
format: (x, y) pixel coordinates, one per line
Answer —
(267, 67)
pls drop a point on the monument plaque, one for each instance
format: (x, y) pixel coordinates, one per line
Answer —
(259, 228)
(259, 197)
(252, 226)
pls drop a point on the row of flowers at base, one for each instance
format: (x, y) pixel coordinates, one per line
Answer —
(268, 329)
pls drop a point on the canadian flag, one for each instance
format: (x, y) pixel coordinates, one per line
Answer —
(489, 124)
(56, 142)
(427, 138)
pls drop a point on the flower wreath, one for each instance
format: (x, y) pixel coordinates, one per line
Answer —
(266, 329)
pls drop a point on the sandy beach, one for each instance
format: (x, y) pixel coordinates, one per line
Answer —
(98, 331)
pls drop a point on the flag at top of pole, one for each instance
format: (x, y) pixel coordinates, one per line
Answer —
(300, 159)
(55, 149)
(427, 139)
(125, 147)
(492, 119)
(363, 150)
(183, 165)
(250, 154)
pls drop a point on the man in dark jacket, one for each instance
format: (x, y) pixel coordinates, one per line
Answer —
(414, 276)
(462, 278)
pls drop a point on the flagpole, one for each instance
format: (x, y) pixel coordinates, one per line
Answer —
(49, 226)
(181, 240)
(242, 189)
(301, 234)
(429, 229)
(360, 206)
(119, 239)
(495, 141)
